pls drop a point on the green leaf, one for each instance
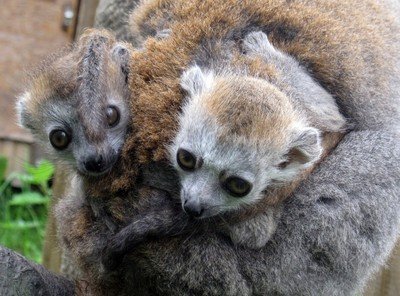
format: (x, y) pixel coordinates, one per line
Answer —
(24, 178)
(20, 225)
(28, 198)
(3, 167)
(40, 173)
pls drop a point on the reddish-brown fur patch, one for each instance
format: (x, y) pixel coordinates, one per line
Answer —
(320, 36)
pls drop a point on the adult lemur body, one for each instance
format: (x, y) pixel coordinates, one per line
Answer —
(338, 56)
(241, 136)
(351, 52)
(349, 47)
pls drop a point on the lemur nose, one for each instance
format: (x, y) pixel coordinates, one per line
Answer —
(95, 164)
(193, 209)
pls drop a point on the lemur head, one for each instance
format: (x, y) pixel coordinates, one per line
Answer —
(238, 136)
(77, 106)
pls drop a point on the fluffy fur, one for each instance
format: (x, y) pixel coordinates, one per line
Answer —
(350, 48)
(326, 244)
(321, 35)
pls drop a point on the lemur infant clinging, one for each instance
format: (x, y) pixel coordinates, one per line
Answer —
(240, 136)
(77, 105)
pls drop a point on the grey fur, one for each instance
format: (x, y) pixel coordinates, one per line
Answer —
(256, 232)
(333, 234)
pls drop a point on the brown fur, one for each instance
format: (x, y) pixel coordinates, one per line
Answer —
(314, 34)
(261, 115)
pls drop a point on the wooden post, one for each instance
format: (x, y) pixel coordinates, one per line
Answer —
(85, 15)
(52, 252)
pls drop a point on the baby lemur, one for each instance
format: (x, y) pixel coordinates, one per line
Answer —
(76, 106)
(240, 136)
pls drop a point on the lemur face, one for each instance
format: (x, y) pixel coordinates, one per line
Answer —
(77, 109)
(238, 136)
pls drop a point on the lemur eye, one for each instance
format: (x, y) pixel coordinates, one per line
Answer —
(284, 164)
(59, 139)
(112, 116)
(236, 186)
(186, 160)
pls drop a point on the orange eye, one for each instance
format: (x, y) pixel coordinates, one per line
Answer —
(186, 160)
(59, 139)
(236, 186)
(112, 114)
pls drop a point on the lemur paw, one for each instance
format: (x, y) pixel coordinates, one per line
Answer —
(117, 247)
(120, 53)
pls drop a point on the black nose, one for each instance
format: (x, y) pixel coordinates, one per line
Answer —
(95, 164)
(193, 209)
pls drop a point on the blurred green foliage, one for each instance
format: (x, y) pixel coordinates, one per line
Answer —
(24, 199)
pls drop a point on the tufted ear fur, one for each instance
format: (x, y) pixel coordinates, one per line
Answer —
(195, 81)
(121, 55)
(258, 43)
(305, 150)
(20, 107)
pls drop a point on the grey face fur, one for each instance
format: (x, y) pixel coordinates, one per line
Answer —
(98, 83)
(274, 146)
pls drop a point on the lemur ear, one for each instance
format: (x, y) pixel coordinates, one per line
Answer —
(20, 107)
(258, 43)
(195, 81)
(121, 55)
(306, 149)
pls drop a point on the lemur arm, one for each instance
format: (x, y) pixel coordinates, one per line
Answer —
(162, 216)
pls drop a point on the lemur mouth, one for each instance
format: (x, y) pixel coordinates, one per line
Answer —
(95, 174)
